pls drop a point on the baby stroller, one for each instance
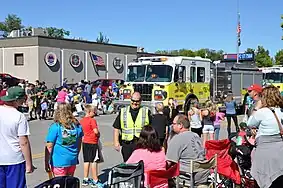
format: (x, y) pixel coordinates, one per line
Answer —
(242, 154)
(228, 170)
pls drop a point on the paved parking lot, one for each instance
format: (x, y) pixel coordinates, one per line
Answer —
(39, 130)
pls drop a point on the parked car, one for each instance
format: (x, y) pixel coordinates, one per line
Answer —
(105, 83)
(9, 79)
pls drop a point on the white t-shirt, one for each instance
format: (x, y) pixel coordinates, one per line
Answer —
(12, 125)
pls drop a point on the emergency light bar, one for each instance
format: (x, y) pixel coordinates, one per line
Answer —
(162, 59)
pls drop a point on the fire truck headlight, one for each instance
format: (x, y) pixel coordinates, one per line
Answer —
(160, 95)
(229, 86)
(127, 94)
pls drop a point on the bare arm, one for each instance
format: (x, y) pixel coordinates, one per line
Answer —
(96, 131)
(116, 136)
(116, 139)
(25, 147)
(189, 115)
(48, 149)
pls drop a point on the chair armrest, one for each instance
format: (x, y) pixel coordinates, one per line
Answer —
(197, 166)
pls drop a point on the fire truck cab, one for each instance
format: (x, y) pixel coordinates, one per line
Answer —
(273, 76)
(160, 78)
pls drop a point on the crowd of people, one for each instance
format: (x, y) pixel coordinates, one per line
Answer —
(166, 138)
(160, 140)
(64, 135)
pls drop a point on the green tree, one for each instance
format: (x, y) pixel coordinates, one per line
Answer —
(57, 33)
(262, 57)
(163, 52)
(250, 51)
(214, 55)
(185, 52)
(102, 38)
(12, 22)
(279, 57)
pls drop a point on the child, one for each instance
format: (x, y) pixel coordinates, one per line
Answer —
(242, 135)
(195, 118)
(208, 117)
(63, 142)
(91, 151)
(218, 118)
(160, 123)
(44, 107)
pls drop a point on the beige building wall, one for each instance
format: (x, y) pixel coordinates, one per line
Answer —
(29, 70)
(73, 74)
(50, 75)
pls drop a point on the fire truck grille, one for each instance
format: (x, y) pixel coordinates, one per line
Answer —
(145, 90)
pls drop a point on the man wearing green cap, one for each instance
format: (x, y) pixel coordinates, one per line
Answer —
(15, 155)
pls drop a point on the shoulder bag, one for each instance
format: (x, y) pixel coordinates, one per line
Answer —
(278, 122)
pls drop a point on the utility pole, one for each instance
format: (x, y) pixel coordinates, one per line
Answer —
(239, 29)
(282, 25)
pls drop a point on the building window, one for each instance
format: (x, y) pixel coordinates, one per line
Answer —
(19, 59)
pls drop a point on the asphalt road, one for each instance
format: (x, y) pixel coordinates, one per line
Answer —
(111, 157)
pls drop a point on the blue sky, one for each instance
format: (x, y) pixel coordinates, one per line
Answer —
(159, 25)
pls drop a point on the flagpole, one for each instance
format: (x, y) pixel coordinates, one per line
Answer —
(238, 33)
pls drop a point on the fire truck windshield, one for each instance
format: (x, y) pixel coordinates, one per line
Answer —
(159, 73)
(273, 77)
(136, 73)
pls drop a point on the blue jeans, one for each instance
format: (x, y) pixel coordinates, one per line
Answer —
(13, 176)
(216, 133)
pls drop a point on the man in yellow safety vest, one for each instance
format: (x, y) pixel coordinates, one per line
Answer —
(129, 124)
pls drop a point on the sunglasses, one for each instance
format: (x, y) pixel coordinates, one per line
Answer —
(135, 100)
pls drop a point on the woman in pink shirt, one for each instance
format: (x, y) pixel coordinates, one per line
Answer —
(150, 151)
(61, 97)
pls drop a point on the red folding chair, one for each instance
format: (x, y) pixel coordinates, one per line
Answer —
(155, 178)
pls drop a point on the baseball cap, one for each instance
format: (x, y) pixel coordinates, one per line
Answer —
(14, 93)
(243, 125)
(255, 87)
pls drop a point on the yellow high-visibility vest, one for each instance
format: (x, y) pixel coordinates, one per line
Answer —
(129, 128)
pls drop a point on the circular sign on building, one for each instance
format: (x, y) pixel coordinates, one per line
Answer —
(51, 59)
(117, 63)
(75, 60)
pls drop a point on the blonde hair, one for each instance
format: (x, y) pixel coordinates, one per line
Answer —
(229, 97)
(208, 104)
(214, 108)
(159, 107)
(89, 108)
(211, 106)
(271, 97)
(64, 116)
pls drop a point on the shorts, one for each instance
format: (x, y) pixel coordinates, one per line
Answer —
(64, 171)
(208, 129)
(91, 153)
(13, 175)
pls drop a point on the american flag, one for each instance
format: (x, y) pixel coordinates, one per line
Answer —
(239, 29)
(96, 60)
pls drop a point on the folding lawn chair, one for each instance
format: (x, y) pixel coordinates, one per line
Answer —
(61, 182)
(127, 176)
(159, 177)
